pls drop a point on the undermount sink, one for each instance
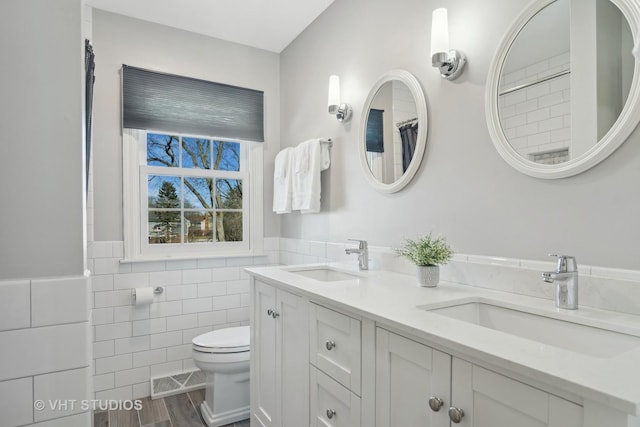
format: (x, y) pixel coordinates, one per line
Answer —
(585, 339)
(324, 274)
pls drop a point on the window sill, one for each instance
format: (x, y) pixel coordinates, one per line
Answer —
(188, 257)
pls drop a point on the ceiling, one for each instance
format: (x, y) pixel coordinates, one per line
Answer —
(269, 25)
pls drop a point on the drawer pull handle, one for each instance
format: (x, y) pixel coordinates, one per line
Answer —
(330, 345)
(270, 312)
(275, 314)
(456, 414)
(435, 403)
(330, 413)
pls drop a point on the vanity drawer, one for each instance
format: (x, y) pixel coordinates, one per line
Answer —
(335, 344)
(332, 405)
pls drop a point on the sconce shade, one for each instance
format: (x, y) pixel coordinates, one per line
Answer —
(334, 93)
(439, 31)
(341, 110)
(450, 62)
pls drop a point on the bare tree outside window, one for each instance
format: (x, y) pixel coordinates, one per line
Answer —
(205, 201)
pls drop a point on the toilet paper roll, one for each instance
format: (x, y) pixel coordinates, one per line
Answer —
(143, 296)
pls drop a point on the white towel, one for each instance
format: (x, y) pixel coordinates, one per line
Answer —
(326, 157)
(306, 183)
(282, 180)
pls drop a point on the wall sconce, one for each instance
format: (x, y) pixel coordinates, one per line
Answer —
(341, 111)
(450, 62)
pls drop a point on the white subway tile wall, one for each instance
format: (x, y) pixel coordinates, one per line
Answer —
(135, 343)
(44, 330)
(537, 119)
(15, 305)
(65, 386)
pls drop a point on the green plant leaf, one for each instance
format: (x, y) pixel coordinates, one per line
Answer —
(426, 250)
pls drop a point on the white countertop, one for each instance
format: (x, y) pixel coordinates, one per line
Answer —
(393, 299)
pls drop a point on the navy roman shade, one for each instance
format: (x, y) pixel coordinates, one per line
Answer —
(170, 103)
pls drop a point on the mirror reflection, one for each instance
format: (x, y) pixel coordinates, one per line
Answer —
(391, 132)
(565, 80)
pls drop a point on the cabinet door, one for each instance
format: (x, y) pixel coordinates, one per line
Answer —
(492, 400)
(292, 354)
(264, 401)
(408, 374)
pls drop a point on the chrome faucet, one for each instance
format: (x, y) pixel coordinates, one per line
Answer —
(363, 253)
(566, 279)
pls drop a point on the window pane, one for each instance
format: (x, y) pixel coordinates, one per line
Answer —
(226, 156)
(229, 194)
(162, 150)
(229, 226)
(164, 227)
(198, 193)
(196, 153)
(163, 191)
(199, 225)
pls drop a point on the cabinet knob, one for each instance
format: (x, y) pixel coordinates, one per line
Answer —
(330, 345)
(435, 403)
(270, 312)
(456, 414)
(275, 314)
(330, 413)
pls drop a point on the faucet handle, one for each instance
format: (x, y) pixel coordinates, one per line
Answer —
(362, 244)
(566, 263)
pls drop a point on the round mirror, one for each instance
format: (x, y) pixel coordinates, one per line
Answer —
(393, 135)
(563, 87)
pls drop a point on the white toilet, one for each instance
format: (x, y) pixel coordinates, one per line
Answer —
(223, 355)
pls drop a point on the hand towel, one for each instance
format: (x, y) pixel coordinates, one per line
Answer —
(326, 156)
(300, 160)
(282, 180)
(306, 183)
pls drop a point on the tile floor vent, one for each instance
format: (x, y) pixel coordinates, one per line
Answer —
(176, 384)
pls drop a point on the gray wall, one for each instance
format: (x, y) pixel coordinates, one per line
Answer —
(120, 40)
(42, 232)
(464, 190)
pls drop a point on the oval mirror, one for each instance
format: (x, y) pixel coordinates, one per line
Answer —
(393, 133)
(562, 91)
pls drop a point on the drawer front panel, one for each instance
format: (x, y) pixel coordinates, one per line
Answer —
(332, 405)
(336, 346)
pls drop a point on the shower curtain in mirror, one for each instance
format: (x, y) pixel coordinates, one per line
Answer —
(409, 135)
(89, 68)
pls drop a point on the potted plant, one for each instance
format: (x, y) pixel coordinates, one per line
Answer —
(427, 253)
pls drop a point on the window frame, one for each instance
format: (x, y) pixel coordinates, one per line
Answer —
(135, 204)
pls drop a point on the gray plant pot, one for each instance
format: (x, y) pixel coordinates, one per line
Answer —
(428, 275)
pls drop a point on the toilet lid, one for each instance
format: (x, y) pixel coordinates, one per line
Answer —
(225, 340)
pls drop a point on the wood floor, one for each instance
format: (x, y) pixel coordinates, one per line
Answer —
(174, 411)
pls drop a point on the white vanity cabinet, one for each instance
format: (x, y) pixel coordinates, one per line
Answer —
(335, 355)
(412, 380)
(279, 357)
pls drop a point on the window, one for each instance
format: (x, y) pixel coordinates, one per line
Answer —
(185, 194)
(192, 195)
(194, 190)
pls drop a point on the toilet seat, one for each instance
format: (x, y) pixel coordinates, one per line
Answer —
(227, 340)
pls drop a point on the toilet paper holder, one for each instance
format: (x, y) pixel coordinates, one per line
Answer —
(156, 291)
